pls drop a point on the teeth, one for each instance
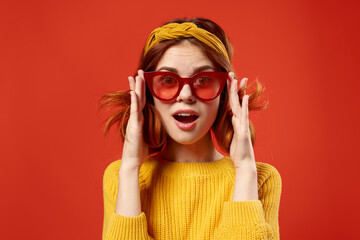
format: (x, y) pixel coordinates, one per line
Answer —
(185, 114)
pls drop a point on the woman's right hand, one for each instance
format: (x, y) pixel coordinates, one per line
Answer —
(135, 149)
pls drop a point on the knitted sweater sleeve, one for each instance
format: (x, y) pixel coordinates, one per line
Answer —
(116, 226)
(256, 219)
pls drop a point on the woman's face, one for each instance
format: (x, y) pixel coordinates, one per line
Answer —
(186, 59)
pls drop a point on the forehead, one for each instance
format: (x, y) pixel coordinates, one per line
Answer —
(184, 57)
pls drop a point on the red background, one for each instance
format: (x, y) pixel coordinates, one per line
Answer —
(58, 57)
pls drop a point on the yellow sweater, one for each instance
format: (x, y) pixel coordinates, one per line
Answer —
(193, 201)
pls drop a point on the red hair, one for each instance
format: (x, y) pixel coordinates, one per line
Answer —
(153, 131)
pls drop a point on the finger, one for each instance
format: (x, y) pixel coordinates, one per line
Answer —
(134, 104)
(229, 81)
(141, 73)
(138, 92)
(143, 87)
(243, 84)
(246, 81)
(245, 112)
(138, 86)
(234, 97)
(131, 83)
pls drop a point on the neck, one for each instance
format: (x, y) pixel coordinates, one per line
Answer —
(200, 151)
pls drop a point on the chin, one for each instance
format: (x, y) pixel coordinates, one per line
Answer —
(186, 137)
(184, 140)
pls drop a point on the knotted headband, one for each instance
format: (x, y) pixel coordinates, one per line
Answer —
(185, 30)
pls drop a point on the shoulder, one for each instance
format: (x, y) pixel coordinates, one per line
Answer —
(112, 170)
(111, 179)
(268, 175)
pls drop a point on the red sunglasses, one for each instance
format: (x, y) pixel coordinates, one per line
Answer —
(166, 86)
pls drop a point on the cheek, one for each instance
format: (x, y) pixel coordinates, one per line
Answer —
(215, 106)
(212, 111)
(161, 108)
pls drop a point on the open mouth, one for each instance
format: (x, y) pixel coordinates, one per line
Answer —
(185, 117)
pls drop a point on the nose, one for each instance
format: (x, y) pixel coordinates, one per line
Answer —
(186, 94)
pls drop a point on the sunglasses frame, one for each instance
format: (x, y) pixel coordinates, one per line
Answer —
(223, 76)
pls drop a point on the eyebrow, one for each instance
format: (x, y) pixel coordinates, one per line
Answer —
(199, 69)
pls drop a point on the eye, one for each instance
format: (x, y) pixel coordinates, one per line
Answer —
(168, 81)
(202, 81)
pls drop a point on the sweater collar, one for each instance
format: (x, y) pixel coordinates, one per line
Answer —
(176, 169)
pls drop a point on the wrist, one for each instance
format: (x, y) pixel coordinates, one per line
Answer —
(129, 166)
(245, 168)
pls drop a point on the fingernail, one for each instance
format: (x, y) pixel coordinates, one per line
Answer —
(231, 75)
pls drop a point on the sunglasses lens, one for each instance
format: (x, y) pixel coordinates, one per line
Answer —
(165, 86)
(207, 86)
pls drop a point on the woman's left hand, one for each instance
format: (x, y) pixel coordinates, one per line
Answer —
(241, 150)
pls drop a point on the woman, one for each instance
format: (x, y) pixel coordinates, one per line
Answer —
(172, 182)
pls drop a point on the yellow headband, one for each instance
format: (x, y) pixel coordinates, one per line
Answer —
(185, 30)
